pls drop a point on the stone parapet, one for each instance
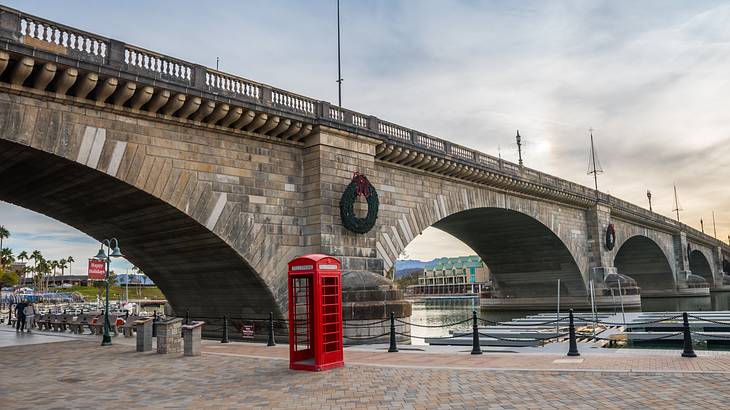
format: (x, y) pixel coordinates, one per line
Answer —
(192, 338)
(144, 334)
(168, 336)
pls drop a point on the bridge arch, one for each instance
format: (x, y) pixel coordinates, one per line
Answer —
(700, 265)
(525, 257)
(641, 258)
(193, 245)
(526, 243)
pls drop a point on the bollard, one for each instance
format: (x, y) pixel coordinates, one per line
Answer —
(475, 347)
(393, 348)
(187, 317)
(271, 341)
(225, 330)
(688, 349)
(573, 348)
(154, 326)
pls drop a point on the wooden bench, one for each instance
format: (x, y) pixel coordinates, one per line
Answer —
(43, 321)
(76, 325)
(97, 326)
(129, 325)
(56, 322)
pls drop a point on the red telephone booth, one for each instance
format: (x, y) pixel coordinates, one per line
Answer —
(315, 313)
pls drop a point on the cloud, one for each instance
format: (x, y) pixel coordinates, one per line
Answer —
(650, 77)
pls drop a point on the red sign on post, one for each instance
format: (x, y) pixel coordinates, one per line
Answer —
(97, 269)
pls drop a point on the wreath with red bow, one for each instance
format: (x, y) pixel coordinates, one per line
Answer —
(359, 186)
(610, 237)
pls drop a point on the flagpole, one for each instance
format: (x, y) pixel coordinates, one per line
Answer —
(339, 61)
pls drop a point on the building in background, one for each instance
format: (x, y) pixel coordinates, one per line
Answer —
(134, 279)
(449, 277)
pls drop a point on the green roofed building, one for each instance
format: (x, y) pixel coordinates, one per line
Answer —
(452, 271)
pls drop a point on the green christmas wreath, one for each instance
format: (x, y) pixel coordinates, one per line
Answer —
(359, 186)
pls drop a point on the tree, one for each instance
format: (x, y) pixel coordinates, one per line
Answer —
(70, 260)
(100, 285)
(8, 278)
(6, 257)
(37, 257)
(62, 265)
(4, 234)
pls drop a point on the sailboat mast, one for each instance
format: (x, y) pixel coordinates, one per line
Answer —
(676, 202)
(595, 171)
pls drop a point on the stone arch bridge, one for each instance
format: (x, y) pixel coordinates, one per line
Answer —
(213, 182)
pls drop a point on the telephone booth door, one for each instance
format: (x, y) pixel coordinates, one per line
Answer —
(301, 319)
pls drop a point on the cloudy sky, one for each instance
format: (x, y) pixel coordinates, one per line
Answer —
(650, 77)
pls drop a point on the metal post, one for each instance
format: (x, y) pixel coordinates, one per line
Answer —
(225, 330)
(106, 339)
(573, 347)
(271, 341)
(187, 316)
(475, 347)
(557, 324)
(621, 298)
(393, 347)
(688, 349)
(154, 327)
(593, 308)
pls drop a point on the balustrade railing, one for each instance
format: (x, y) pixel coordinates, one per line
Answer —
(232, 84)
(62, 36)
(293, 101)
(431, 143)
(158, 64)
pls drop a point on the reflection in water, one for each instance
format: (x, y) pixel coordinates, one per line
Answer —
(444, 311)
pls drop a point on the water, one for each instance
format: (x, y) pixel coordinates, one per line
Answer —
(446, 311)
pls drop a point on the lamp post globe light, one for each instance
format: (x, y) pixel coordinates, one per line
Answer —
(112, 252)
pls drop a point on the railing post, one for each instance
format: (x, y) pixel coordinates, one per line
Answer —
(266, 97)
(225, 330)
(393, 347)
(10, 26)
(115, 56)
(475, 347)
(154, 327)
(271, 341)
(323, 110)
(198, 79)
(688, 349)
(373, 124)
(573, 347)
(187, 316)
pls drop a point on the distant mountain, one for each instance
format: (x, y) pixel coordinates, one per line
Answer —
(408, 266)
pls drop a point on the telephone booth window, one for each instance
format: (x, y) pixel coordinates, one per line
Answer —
(302, 328)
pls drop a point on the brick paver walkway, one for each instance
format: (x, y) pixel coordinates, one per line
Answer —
(80, 374)
(646, 361)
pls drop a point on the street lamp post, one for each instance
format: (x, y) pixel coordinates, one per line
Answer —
(648, 195)
(112, 252)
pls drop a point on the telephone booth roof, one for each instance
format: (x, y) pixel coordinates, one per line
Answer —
(314, 262)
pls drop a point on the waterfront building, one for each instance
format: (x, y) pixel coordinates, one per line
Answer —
(464, 275)
(451, 271)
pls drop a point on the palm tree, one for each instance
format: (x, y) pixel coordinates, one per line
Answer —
(4, 233)
(62, 265)
(52, 265)
(6, 257)
(37, 257)
(70, 260)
